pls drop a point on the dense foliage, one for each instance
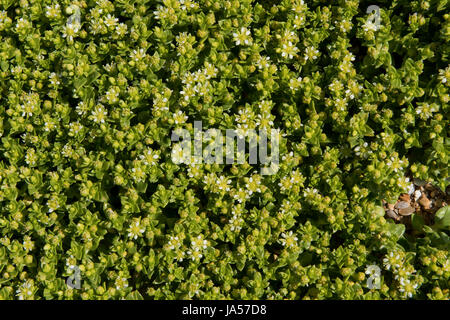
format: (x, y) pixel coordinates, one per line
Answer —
(88, 105)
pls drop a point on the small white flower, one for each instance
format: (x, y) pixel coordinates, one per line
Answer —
(99, 114)
(52, 11)
(54, 80)
(70, 30)
(179, 117)
(289, 239)
(223, 183)
(411, 188)
(289, 50)
(138, 54)
(110, 20)
(370, 26)
(417, 194)
(372, 269)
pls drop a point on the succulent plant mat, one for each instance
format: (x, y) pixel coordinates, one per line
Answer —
(423, 199)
